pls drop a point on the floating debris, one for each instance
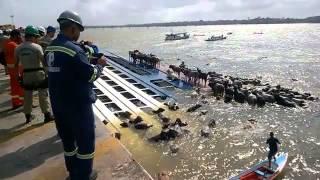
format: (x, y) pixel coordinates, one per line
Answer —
(212, 123)
(203, 112)
(174, 148)
(205, 132)
(142, 125)
(194, 108)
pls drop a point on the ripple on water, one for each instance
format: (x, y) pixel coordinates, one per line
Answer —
(245, 154)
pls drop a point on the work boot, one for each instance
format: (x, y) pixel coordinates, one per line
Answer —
(29, 118)
(48, 117)
(93, 175)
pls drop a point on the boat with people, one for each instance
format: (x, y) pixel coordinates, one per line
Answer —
(263, 171)
(177, 36)
(216, 38)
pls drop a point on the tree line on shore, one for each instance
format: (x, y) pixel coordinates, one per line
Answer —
(258, 20)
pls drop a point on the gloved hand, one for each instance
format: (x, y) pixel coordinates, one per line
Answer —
(96, 57)
(102, 61)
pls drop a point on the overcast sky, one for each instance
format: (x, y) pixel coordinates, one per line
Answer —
(116, 12)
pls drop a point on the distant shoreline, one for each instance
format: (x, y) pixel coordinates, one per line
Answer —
(313, 19)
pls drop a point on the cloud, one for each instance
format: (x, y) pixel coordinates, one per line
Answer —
(110, 12)
(267, 8)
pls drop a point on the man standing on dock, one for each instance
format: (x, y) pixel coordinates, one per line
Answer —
(9, 48)
(3, 39)
(29, 55)
(70, 85)
(46, 40)
(273, 147)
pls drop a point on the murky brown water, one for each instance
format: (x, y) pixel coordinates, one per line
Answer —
(283, 52)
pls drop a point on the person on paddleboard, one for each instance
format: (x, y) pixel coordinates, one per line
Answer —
(273, 147)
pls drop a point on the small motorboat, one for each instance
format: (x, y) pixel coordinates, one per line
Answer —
(229, 33)
(216, 38)
(258, 33)
(177, 36)
(262, 170)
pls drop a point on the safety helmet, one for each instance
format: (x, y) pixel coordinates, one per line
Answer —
(71, 16)
(1, 32)
(51, 29)
(41, 30)
(32, 30)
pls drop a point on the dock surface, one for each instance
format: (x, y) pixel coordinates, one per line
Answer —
(34, 151)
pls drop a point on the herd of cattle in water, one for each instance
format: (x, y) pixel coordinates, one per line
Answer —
(227, 88)
(242, 90)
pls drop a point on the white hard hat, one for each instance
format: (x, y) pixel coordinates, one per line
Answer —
(1, 32)
(41, 29)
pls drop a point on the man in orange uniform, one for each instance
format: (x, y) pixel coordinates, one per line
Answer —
(16, 89)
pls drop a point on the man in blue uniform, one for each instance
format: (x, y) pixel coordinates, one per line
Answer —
(71, 79)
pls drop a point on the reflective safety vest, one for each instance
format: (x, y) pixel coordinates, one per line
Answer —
(90, 50)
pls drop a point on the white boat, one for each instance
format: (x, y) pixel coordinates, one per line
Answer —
(199, 35)
(177, 36)
(216, 38)
(262, 170)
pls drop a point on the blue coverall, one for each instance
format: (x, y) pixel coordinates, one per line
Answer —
(71, 79)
